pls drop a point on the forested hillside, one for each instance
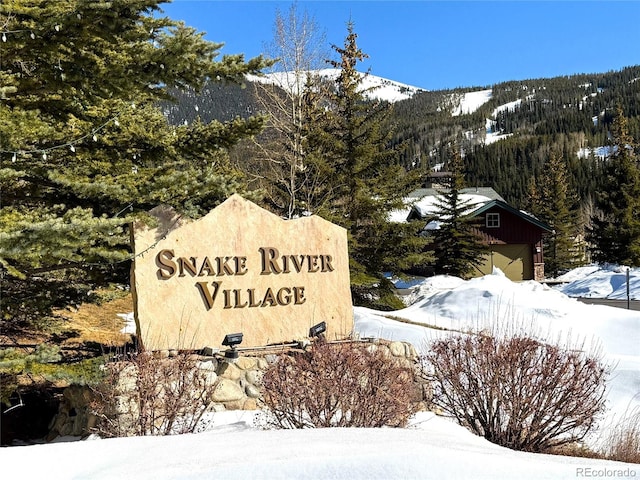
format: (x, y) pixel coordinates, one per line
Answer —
(505, 142)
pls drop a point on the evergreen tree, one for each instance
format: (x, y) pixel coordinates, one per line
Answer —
(357, 177)
(457, 247)
(553, 203)
(84, 147)
(615, 231)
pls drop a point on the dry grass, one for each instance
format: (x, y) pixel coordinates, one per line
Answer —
(574, 450)
(622, 441)
(99, 323)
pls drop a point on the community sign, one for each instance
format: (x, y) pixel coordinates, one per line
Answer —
(239, 269)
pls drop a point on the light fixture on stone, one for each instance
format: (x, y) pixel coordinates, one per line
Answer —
(231, 340)
(318, 329)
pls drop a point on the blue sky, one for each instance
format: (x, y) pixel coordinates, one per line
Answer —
(443, 44)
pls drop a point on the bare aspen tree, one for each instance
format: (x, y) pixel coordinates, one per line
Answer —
(299, 46)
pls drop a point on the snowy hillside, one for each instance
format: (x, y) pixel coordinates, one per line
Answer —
(377, 87)
(470, 102)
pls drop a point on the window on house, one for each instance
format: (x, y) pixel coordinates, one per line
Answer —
(493, 220)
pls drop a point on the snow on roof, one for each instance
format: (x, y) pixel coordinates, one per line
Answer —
(427, 206)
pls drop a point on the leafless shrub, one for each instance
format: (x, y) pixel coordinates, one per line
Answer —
(338, 385)
(147, 395)
(622, 441)
(517, 391)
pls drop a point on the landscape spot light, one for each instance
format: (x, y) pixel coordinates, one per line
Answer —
(231, 340)
(318, 329)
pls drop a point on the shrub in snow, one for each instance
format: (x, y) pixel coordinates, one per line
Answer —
(149, 395)
(339, 385)
(517, 391)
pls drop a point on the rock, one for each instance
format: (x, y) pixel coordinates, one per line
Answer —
(229, 370)
(271, 358)
(235, 405)
(252, 391)
(250, 404)
(209, 351)
(254, 377)
(397, 349)
(210, 378)
(209, 365)
(246, 363)
(227, 391)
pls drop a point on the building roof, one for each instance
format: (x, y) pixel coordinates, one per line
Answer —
(488, 192)
(505, 206)
(422, 203)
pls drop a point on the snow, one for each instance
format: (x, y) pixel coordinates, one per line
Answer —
(495, 303)
(472, 101)
(428, 205)
(507, 107)
(598, 152)
(608, 281)
(374, 87)
(432, 446)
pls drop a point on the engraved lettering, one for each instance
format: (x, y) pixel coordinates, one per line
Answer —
(187, 264)
(269, 257)
(227, 298)
(298, 296)
(269, 299)
(298, 262)
(284, 296)
(326, 263)
(167, 268)
(206, 267)
(252, 298)
(236, 296)
(208, 296)
(313, 263)
(241, 265)
(223, 266)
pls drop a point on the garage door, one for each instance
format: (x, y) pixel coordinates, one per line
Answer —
(516, 261)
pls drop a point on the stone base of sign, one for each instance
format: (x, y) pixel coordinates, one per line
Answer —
(239, 269)
(238, 386)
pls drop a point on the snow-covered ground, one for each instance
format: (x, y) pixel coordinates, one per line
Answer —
(432, 447)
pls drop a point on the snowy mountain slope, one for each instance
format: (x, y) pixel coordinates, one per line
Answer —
(377, 88)
(471, 101)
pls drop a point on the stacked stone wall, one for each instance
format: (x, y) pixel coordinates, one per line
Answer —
(237, 383)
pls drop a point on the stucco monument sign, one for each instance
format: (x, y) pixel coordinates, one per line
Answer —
(241, 269)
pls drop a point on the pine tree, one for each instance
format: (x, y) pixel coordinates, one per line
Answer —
(457, 247)
(552, 202)
(84, 148)
(355, 177)
(615, 231)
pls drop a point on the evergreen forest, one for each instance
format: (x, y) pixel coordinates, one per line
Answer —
(571, 115)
